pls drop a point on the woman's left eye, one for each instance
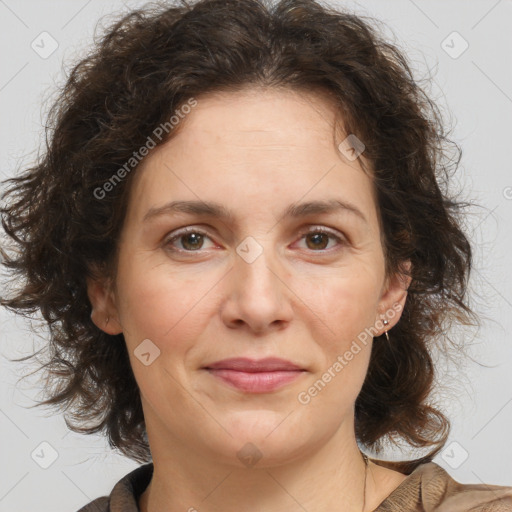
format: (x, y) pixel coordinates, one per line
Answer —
(319, 238)
(192, 240)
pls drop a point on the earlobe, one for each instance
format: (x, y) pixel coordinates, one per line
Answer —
(394, 297)
(103, 307)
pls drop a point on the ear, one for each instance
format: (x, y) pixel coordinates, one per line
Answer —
(104, 311)
(393, 297)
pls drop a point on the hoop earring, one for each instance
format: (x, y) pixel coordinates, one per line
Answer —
(386, 322)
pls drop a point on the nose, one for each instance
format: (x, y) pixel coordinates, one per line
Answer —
(258, 299)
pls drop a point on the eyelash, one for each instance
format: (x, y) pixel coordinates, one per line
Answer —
(341, 241)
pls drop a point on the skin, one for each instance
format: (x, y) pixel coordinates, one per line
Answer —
(304, 299)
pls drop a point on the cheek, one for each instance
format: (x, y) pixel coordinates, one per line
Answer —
(346, 301)
(149, 304)
(144, 307)
(163, 306)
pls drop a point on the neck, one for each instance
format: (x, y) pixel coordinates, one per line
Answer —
(329, 477)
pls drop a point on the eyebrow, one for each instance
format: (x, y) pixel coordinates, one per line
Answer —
(216, 210)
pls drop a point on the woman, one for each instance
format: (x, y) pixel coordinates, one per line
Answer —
(239, 240)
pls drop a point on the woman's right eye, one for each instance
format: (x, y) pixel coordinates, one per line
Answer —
(191, 240)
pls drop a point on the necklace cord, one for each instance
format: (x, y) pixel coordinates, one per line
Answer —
(365, 458)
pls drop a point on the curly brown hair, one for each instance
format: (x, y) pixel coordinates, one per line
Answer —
(143, 69)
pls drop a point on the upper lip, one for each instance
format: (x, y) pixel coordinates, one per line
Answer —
(244, 364)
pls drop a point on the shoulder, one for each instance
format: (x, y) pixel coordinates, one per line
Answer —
(125, 494)
(97, 505)
(429, 488)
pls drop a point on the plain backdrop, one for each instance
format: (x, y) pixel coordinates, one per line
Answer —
(465, 46)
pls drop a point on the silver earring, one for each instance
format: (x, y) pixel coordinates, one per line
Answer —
(385, 322)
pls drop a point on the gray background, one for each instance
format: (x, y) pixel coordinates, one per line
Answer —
(475, 92)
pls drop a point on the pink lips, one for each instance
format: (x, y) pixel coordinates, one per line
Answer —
(254, 376)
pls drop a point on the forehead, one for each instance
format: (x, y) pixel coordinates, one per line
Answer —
(263, 118)
(268, 110)
(266, 145)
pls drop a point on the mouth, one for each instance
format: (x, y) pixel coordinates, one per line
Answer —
(255, 376)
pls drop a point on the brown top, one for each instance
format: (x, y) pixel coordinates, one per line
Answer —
(429, 488)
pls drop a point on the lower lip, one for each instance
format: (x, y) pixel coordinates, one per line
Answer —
(256, 382)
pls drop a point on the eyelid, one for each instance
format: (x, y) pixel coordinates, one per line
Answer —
(314, 228)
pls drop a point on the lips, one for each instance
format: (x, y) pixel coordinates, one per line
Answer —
(255, 376)
(243, 364)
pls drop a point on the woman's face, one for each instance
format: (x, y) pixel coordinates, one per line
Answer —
(252, 285)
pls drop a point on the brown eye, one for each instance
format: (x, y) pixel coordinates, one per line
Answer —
(317, 239)
(190, 241)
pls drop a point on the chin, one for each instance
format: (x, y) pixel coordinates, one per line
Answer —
(263, 439)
